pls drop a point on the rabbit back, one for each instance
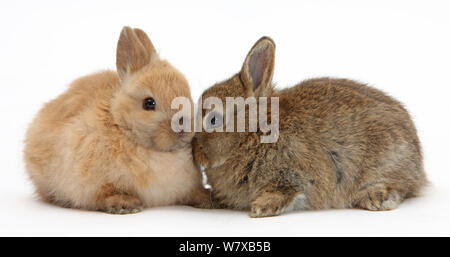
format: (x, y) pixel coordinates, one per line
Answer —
(49, 150)
(353, 136)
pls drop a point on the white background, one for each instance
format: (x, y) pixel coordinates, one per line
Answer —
(401, 47)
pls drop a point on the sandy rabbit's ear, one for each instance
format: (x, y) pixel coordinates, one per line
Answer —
(257, 71)
(134, 51)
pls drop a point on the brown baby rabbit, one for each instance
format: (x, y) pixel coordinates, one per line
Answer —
(107, 144)
(341, 144)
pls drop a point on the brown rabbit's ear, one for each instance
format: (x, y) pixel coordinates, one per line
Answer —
(134, 51)
(257, 71)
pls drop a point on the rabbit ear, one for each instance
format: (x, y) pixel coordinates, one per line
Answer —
(257, 71)
(134, 51)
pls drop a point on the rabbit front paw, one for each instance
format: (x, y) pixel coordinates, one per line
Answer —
(269, 204)
(122, 204)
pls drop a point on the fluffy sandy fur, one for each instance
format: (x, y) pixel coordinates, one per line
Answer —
(95, 147)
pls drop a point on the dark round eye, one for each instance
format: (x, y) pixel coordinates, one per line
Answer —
(149, 104)
(215, 120)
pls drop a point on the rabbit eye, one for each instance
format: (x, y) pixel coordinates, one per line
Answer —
(214, 120)
(149, 104)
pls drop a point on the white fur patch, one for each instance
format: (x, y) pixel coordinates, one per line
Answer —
(205, 179)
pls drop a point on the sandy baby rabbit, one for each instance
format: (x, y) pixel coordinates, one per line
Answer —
(341, 144)
(107, 143)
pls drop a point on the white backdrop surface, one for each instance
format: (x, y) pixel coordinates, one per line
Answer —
(401, 47)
